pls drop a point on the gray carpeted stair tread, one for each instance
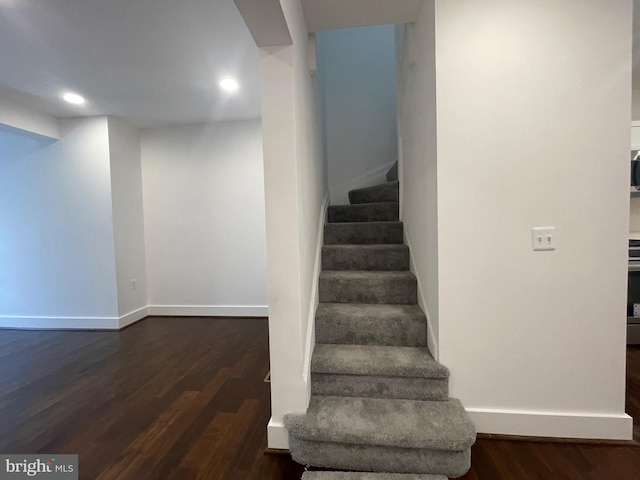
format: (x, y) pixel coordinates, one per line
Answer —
(367, 476)
(392, 173)
(376, 360)
(411, 424)
(368, 287)
(365, 257)
(378, 372)
(363, 233)
(380, 386)
(364, 212)
(386, 192)
(370, 324)
(367, 274)
(379, 401)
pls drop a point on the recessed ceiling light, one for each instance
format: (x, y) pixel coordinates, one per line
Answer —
(229, 84)
(73, 98)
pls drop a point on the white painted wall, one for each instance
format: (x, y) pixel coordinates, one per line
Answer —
(635, 105)
(533, 130)
(204, 219)
(418, 164)
(73, 224)
(56, 238)
(28, 120)
(357, 75)
(295, 188)
(312, 184)
(128, 218)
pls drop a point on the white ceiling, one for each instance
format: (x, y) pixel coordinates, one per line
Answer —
(157, 62)
(153, 62)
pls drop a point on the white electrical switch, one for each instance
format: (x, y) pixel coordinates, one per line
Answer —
(543, 238)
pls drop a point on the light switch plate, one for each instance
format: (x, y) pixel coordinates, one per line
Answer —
(543, 238)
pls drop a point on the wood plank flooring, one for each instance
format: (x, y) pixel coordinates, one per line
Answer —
(184, 398)
(167, 398)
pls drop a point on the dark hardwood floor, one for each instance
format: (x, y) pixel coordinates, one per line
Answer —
(167, 398)
(184, 398)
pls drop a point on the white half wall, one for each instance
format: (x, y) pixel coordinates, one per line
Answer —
(128, 218)
(417, 167)
(203, 190)
(533, 112)
(56, 236)
(356, 70)
(295, 187)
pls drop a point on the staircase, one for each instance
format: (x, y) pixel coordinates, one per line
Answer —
(380, 402)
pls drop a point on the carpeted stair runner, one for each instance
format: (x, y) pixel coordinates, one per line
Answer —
(365, 257)
(363, 233)
(365, 324)
(387, 192)
(380, 402)
(378, 372)
(364, 212)
(367, 287)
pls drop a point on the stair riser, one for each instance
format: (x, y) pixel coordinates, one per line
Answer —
(407, 332)
(371, 458)
(370, 212)
(408, 388)
(363, 234)
(381, 193)
(394, 291)
(324, 475)
(364, 259)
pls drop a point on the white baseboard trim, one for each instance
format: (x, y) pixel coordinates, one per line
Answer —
(133, 317)
(209, 310)
(340, 193)
(117, 323)
(432, 342)
(277, 435)
(311, 316)
(60, 323)
(551, 424)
